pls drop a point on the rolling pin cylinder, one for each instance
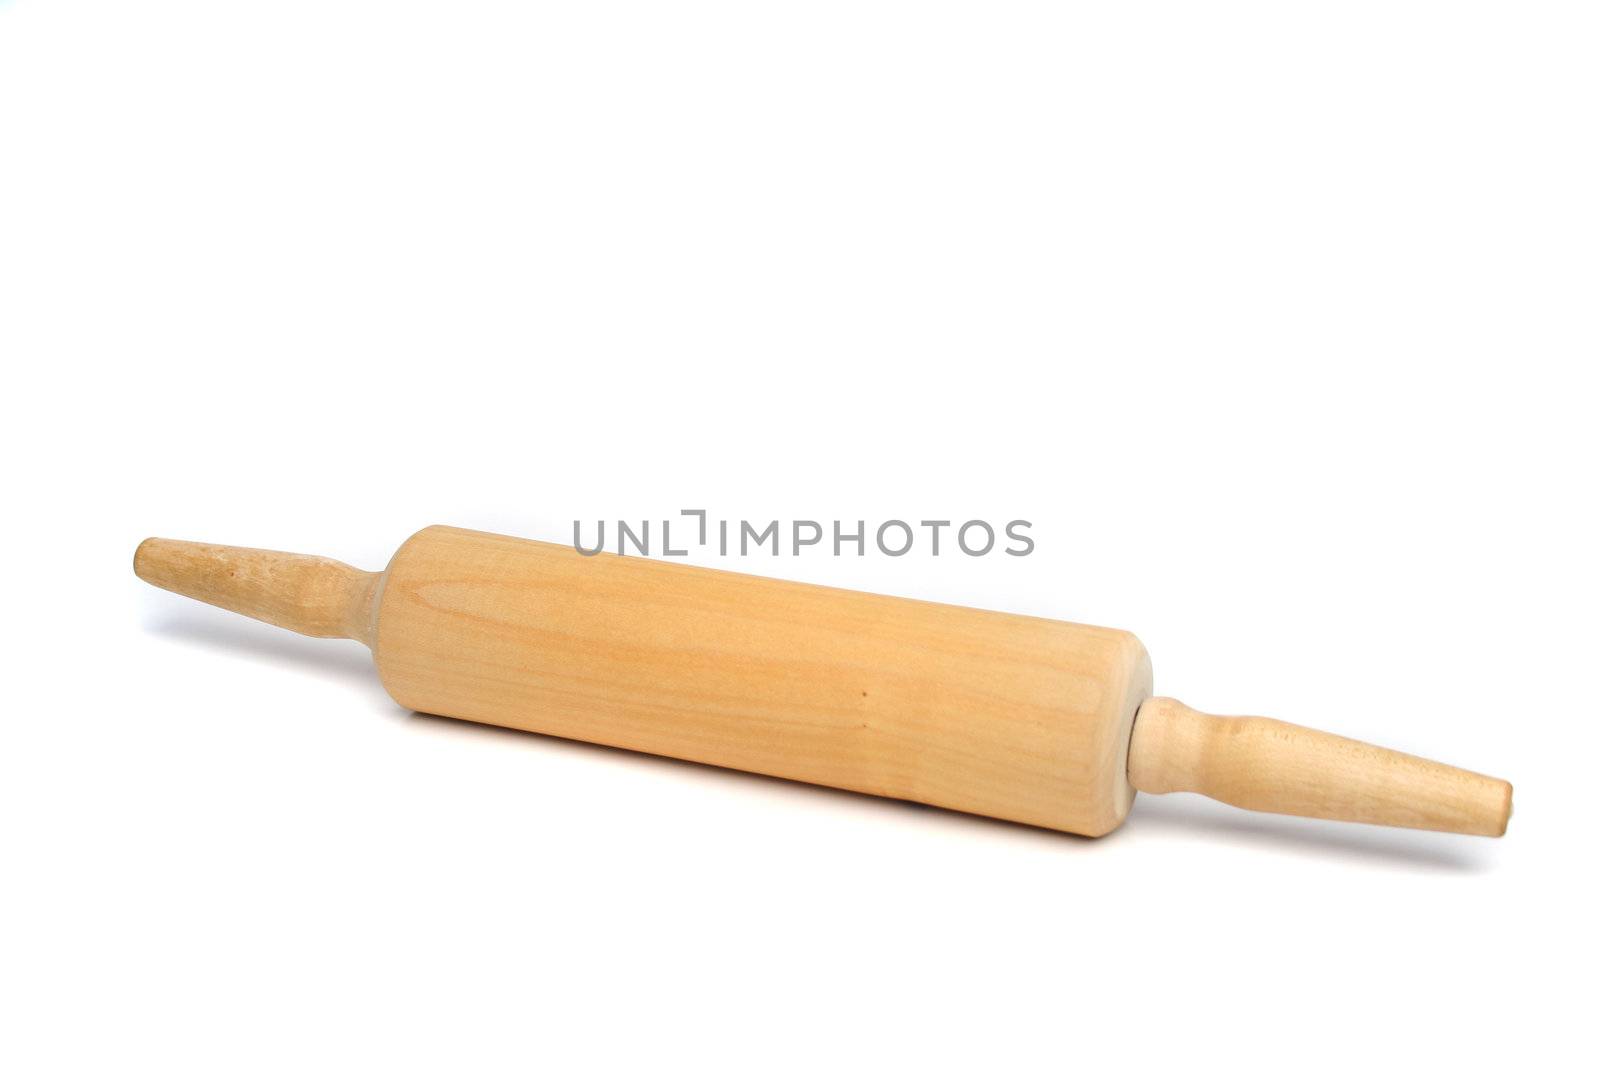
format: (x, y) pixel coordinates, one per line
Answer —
(1001, 715)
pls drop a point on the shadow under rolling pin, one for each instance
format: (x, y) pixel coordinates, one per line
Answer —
(1031, 720)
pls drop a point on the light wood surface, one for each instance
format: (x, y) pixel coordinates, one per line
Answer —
(1002, 715)
(1018, 718)
(1267, 765)
(307, 594)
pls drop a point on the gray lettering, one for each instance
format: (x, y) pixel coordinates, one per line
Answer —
(666, 541)
(961, 537)
(800, 542)
(859, 537)
(600, 542)
(702, 513)
(1011, 532)
(903, 548)
(745, 530)
(624, 535)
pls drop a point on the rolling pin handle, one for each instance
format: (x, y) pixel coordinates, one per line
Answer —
(307, 594)
(1272, 766)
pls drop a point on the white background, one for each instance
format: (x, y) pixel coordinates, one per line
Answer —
(1277, 321)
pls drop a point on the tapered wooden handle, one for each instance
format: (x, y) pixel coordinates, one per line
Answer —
(1267, 765)
(307, 594)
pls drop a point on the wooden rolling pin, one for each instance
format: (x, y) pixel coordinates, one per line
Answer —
(1049, 723)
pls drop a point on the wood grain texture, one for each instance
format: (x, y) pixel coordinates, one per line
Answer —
(1267, 765)
(1002, 715)
(311, 595)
